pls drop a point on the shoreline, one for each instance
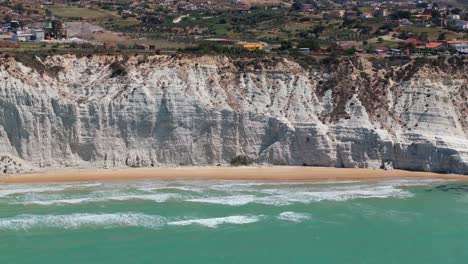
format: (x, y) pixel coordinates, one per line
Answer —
(274, 173)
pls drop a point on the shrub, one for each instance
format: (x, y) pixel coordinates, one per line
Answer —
(241, 160)
(117, 69)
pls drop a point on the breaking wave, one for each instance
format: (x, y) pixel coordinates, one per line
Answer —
(205, 192)
(215, 222)
(282, 197)
(74, 221)
(8, 190)
(293, 217)
(163, 197)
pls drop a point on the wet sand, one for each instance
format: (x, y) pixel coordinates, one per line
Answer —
(280, 173)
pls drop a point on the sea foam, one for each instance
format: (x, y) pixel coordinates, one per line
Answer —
(222, 193)
(287, 196)
(163, 197)
(215, 222)
(74, 221)
(293, 217)
(7, 190)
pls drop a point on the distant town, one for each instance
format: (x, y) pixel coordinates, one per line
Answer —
(305, 27)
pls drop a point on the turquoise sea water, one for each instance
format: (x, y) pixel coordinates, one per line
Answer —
(393, 221)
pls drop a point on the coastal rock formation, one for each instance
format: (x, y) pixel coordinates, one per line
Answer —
(105, 111)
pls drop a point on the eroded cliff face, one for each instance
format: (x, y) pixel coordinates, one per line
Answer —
(114, 111)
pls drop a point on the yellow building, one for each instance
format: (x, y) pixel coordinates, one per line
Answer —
(251, 45)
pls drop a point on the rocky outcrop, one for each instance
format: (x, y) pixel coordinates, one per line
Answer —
(115, 111)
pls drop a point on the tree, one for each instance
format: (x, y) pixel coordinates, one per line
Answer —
(423, 37)
(20, 8)
(456, 11)
(350, 51)
(421, 5)
(380, 40)
(400, 14)
(286, 44)
(442, 36)
(318, 29)
(7, 18)
(403, 35)
(309, 43)
(297, 5)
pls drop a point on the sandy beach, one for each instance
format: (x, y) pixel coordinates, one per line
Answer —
(280, 173)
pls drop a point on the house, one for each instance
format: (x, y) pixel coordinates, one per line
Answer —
(350, 13)
(365, 15)
(11, 26)
(461, 47)
(435, 45)
(142, 46)
(38, 35)
(304, 50)
(380, 12)
(5, 27)
(307, 8)
(108, 45)
(381, 50)
(224, 41)
(336, 13)
(321, 52)
(462, 25)
(55, 29)
(405, 22)
(251, 45)
(6, 36)
(423, 17)
(243, 10)
(22, 36)
(127, 12)
(395, 52)
(453, 17)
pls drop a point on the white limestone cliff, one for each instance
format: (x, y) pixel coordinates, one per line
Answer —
(111, 111)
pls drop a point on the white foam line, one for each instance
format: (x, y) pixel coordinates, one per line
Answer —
(8, 190)
(73, 221)
(293, 217)
(234, 200)
(215, 222)
(147, 197)
(281, 197)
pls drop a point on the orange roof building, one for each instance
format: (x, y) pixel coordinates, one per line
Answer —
(434, 45)
(251, 45)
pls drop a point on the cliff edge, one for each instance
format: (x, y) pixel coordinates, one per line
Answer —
(105, 111)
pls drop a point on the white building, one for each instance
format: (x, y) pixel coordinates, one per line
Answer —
(453, 17)
(462, 25)
(38, 35)
(461, 48)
